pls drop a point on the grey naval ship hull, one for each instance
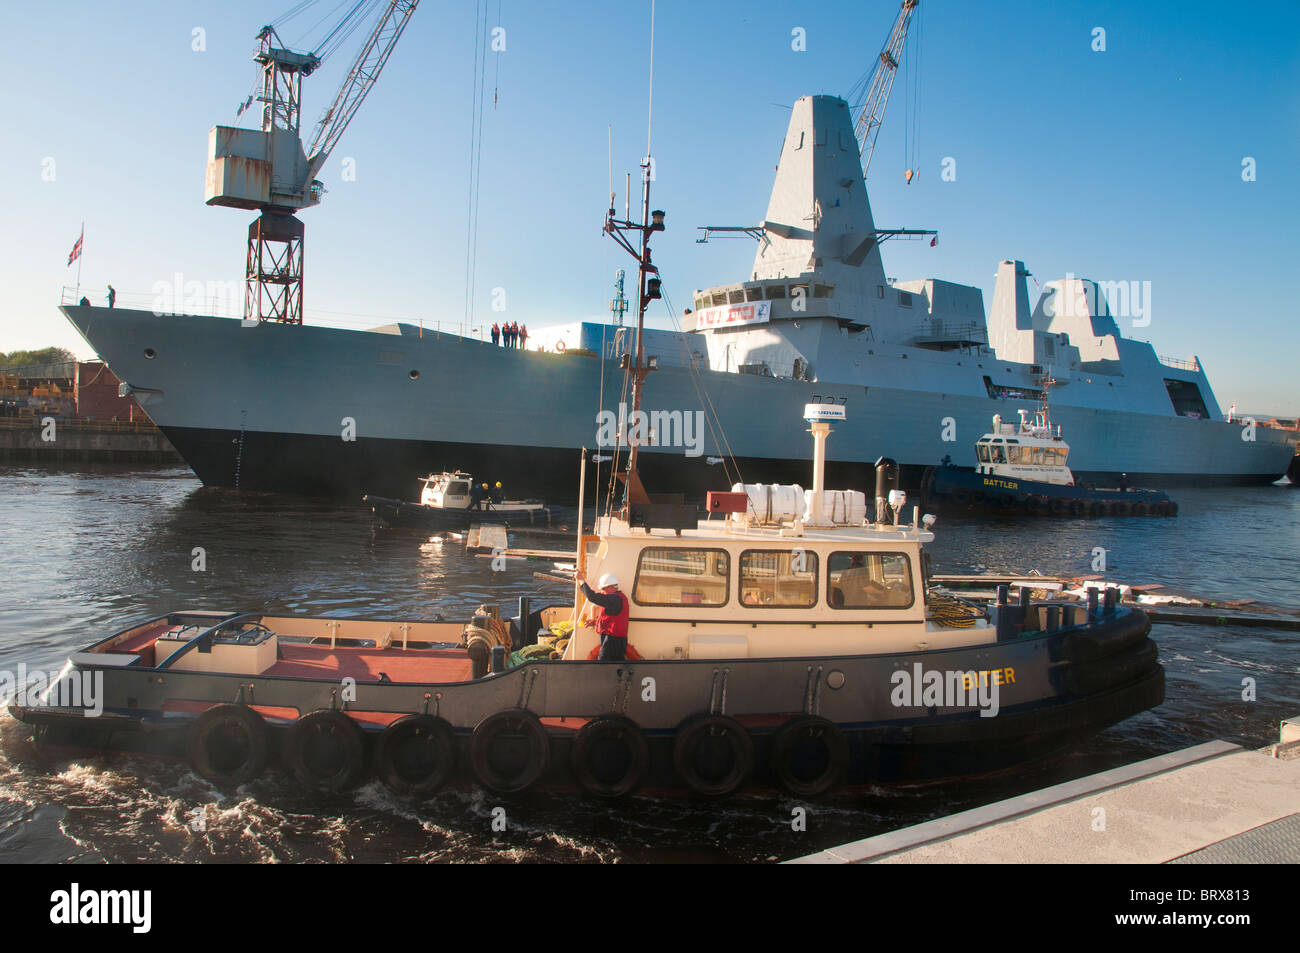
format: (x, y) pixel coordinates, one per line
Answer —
(272, 407)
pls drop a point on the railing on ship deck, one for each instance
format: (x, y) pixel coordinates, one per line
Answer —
(1192, 365)
(221, 306)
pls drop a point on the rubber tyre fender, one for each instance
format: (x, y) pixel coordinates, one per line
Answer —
(961, 496)
(1123, 508)
(1078, 508)
(1141, 508)
(1038, 505)
(699, 730)
(488, 735)
(228, 745)
(786, 745)
(1059, 506)
(1088, 678)
(326, 751)
(1097, 509)
(416, 755)
(1107, 638)
(598, 733)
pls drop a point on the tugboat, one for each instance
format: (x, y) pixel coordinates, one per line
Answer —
(447, 502)
(780, 645)
(1021, 468)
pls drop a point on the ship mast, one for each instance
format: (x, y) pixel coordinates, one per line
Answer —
(648, 288)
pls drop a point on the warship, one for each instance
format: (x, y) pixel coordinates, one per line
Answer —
(919, 365)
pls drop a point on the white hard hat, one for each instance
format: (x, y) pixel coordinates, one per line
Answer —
(607, 580)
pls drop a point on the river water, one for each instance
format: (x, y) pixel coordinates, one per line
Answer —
(82, 550)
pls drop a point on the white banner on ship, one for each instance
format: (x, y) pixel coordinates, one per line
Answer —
(734, 315)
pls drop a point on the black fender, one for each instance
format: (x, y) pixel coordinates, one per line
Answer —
(1100, 639)
(1088, 678)
(326, 751)
(809, 755)
(228, 744)
(610, 756)
(713, 755)
(416, 754)
(509, 751)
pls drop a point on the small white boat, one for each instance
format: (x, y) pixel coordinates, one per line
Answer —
(447, 500)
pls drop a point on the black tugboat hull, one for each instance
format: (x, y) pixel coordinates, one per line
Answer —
(404, 513)
(1059, 687)
(959, 489)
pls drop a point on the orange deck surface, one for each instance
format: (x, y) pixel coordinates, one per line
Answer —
(366, 665)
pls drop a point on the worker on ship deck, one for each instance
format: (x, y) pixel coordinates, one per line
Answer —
(497, 495)
(611, 622)
(476, 496)
(496, 334)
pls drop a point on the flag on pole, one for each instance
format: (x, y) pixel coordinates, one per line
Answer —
(76, 249)
(934, 241)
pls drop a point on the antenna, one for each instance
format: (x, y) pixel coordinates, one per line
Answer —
(650, 105)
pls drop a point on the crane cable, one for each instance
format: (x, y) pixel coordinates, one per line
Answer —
(912, 100)
(475, 154)
(326, 49)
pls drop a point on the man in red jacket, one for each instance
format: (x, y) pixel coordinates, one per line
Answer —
(611, 621)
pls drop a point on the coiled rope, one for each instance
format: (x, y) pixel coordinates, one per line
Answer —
(950, 611)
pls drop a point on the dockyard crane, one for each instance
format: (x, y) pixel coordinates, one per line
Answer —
(268, 170)
(882, 83)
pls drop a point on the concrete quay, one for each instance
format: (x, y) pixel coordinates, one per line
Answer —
(1212, 803)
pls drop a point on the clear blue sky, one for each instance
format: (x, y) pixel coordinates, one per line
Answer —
(1115, 165)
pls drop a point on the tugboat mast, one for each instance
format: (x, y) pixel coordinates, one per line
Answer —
(648, 288)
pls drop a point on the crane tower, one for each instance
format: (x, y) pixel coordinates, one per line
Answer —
(267, 170)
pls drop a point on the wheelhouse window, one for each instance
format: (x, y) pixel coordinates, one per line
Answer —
(773, 579)
(982, 451)
(999, 453)
(682, 577)
(867, 580)
(458, 488)
(775, 291)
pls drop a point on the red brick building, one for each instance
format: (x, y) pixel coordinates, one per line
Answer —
(95, 391)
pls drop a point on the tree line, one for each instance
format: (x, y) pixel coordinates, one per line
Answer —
(46, 355)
